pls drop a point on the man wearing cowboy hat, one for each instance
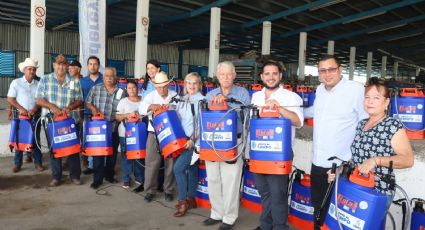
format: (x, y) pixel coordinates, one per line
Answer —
(153, 101)
(21, 96)
(58, 93)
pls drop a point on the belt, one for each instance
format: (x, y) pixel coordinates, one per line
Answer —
(151, 132)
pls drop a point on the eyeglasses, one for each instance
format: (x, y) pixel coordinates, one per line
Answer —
(330, 70)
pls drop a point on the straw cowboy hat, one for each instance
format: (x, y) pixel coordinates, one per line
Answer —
(28, 62)
(161, 79)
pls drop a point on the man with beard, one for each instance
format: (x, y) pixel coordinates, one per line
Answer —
(104, 98)
(95, 77)
(273, 188)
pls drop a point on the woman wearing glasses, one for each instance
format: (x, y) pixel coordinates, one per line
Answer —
(185, 173)
(380, 140)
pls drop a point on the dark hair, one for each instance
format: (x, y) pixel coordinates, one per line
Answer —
(272, 63)
(131, 81)
(155, 63)
(95, 58)
(380, 85)
(329, 56)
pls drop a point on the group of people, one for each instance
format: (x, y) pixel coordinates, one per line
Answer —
(351, 123)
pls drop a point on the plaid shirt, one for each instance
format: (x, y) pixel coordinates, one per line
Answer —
(60, 95)
(106, 102)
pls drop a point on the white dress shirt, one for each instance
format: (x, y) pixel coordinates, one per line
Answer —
(154, 98)
(284, 98)
(336, 114)
(23, 91)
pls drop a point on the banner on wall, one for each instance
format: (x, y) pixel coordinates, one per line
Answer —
(92, 28)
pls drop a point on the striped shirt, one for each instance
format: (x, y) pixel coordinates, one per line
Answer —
(60, 95)
(106, 102)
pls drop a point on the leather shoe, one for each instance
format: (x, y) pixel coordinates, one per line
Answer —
(191, 203)
(54, 183)
(111, 180)
(149, 197)
(257, 228)
(88, 171)
(95, 185)
(210, 221)
(28, 159)
(39, 167)
(76, 181)
(169, 197)
(182, 208)
(16, 169)
(224, 226)
(139, 188)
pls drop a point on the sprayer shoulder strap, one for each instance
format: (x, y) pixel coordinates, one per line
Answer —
(17, 133)
(156, 139)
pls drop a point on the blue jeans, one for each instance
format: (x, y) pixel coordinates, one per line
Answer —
(73, 164)
(130, 165)
(186, 175)
(36, 154)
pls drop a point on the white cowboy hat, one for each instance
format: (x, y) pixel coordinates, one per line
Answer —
(161, 79)
(26, 63)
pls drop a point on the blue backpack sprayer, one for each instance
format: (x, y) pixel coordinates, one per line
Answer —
(300, 206)
(21, 136)
(98, 136)
(61, 135)
(136, 134)
(355, 204)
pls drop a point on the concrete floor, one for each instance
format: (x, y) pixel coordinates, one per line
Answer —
(28, 203)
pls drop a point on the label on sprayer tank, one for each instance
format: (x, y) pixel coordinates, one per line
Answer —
(218, 136)
(267, 146)
(302, 208)
(346, 219)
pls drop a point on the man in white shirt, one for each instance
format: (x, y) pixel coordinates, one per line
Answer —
(338, 108)
(153, 101)
(273, 188)
(21, 96)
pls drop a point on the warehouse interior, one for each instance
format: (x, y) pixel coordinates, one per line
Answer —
(371, 38)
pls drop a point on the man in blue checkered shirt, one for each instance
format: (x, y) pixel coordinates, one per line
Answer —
(58, 93)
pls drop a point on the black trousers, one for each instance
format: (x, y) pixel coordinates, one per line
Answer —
(104, 166)
(319, 185)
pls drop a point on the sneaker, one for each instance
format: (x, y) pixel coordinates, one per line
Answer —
(138, 182)
(126, 185)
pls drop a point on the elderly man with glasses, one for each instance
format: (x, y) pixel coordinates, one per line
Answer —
(338, 108)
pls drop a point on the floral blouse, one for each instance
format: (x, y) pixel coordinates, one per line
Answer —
(376, 142)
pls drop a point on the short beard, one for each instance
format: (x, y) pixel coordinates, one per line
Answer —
(272, 87)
